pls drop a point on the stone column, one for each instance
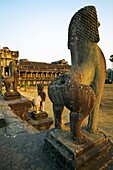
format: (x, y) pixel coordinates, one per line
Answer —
(31, 75)
(3, 70)
(36, 75)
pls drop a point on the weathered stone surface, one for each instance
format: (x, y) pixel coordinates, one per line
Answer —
(12, 120)
(2, 131)
(14, 128)
(24, 152)
(20, 107)
(41, 125)
(6, 107)
(63, 151)
(12, 95)
(29, 128)
(41, 115)
(9, 114)
(2, 119)
(40, 121)
(14, 125)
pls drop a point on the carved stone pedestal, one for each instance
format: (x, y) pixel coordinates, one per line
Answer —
(39, 116)
(12, 95)
(20, 106)
(62, 150)
(41, 121)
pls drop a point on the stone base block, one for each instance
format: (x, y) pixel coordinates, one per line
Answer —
(12, 95)
(41, 115)
(40, 121)
(20, 106)
(66, 155)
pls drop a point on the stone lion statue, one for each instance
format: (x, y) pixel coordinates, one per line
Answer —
(39, 102)
(13, 78)
(80, 89)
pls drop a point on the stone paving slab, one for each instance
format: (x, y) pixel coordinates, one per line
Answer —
(24, 152)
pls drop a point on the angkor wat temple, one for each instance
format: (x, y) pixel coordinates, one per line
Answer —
(30, 72)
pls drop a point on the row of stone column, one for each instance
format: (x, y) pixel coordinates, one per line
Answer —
(51, 75)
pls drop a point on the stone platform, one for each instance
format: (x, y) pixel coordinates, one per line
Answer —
(12, 95)
(62, 150)
(23, 147)
(20, 106)
(40, 121)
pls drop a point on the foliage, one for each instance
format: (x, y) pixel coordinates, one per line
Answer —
(24, 86)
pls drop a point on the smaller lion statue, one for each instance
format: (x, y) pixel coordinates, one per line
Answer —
(39, 102)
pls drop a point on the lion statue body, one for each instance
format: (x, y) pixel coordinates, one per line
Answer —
(13, 78)
(88, 71)
(39, 102)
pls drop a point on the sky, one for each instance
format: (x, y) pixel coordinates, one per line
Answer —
(38, 29)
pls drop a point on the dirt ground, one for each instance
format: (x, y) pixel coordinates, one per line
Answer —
(105, 122)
